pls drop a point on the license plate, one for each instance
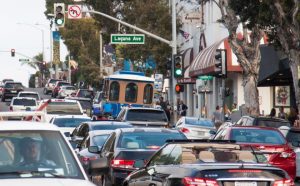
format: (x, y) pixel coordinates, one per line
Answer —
(201, 133)
(245, 184)
(13, 91)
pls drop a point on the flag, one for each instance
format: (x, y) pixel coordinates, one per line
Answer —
(184, 34)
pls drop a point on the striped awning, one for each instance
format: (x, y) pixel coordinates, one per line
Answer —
(204, 63)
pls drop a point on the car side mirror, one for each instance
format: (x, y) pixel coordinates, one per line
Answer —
(94, 149)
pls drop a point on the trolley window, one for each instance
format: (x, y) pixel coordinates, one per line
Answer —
(131, 92)
(114, 91)
(148, 92)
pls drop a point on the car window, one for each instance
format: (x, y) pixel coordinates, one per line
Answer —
(13, 85)
(131, 92)
(248, 122)
(199, 122)
(161, 157)
(51, 153)
(146, 140)
(146, 115)
(99, 140)
(69, 122)
(293, 136)
(272, 123)
(63, 108)
(29, 95)
(262, 136)
(24, 102)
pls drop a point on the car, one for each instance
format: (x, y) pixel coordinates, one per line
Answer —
(66, 91)
(23, 104)
(143, 116)
(85, 93)
(263, 121)
(34, 154)
(50, 85)
(67, 123)
(207, 163)
(85, 103)
(267, 140)
(30, 94)
(57, 87)
(11, 89)
(195, 128)
(1, 90)
(5, 80)
(55, 107)
(126, 146)
(293, 137)
(95, 138)
(82, 130)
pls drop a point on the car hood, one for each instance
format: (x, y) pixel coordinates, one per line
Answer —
(148, 123)
(45, 182)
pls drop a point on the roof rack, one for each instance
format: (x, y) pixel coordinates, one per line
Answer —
(198, 141)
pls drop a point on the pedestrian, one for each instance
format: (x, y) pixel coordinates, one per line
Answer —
(164, 106)
(293, 116)
(234, 107)
(217, 115)
(273, 113)
(281, 113)
(227, 113)
(182, 108)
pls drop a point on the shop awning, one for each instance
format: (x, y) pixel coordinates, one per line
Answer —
(204, 63)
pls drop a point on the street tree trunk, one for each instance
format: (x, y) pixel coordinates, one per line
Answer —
(247, 52)
(294, 66)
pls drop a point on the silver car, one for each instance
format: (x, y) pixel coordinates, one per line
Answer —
(195, 128)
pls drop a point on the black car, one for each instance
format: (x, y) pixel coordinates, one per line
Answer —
(11, 89)
(84, 128)
(206, 162)
(129, 149)
(263, 121)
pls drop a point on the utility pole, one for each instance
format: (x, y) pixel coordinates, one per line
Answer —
(69, 69)
(100, 52)
(174, 52)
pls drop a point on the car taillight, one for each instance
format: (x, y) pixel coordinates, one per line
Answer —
(284, 182)
(244, 170)
(287, 154)
(184, 130)
(188, 181)
(127, 164)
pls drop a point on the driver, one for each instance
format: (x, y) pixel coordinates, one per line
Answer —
(31, 153)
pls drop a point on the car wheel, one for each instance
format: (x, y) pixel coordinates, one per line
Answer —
(106, 181)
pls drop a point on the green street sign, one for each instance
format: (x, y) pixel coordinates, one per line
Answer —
(127, 39)
(24, 60)
(205, 77)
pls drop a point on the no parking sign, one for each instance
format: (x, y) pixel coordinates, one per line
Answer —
(74, 12)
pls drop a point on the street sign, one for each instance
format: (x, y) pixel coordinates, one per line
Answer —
(24, 60)
(74, 12)
(205, 77)
(127, 39)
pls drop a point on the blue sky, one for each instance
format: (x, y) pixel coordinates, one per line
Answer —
(19, 31)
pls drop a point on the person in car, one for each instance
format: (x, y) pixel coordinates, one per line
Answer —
(32, 154)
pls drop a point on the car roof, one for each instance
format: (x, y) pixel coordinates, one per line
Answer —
(144, 129)
(28, 92)
(99, 132)
(143, 108)
(23, 98)
(253, 127)
(72, 116)
(112, 122)
(26, 126)
(14, 82)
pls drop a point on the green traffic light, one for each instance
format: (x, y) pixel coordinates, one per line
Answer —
(59, 21)
(178, 72)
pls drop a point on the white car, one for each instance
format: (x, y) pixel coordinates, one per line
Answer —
(66, 91)
(29, 94)
(33, 155)
(68, 123)
(60, 107)
(195, 128)
(23, 104)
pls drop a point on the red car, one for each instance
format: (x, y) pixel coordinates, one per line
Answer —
(268, 141)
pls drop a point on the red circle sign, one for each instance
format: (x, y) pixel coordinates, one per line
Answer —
(74, 11)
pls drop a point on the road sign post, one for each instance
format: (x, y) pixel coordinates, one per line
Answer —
(127, 39)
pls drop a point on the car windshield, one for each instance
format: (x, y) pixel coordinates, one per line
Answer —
(109, 126)
(85, 93)
(270, 123)
(293, 136)
(63, 83)
(146, 140)
(64, 108)
(262, 136)
(13, 85)
(29, 95)
(24, 102)
(99, 140)
(69, 122)
(146, 115)
(199, 122)
(69, 88)
(36, 154)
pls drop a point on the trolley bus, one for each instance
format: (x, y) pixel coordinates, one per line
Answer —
(125, 88)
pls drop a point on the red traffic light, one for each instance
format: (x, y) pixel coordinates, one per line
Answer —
(179, 88)
(12, 52)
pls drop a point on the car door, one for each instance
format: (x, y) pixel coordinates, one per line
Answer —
(107, 152)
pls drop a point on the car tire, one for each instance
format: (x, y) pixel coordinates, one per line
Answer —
(106, 181)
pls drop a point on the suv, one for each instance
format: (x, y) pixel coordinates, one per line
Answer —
(11, 89)
(52, 161)
(151, 117)
(23, 104)
(57, 87)
(50, 85)
(263, 122)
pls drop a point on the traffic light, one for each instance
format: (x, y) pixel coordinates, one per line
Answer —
(59, 10)
(178, 66)
(12, 52)
(221, 63)
(179, 88)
